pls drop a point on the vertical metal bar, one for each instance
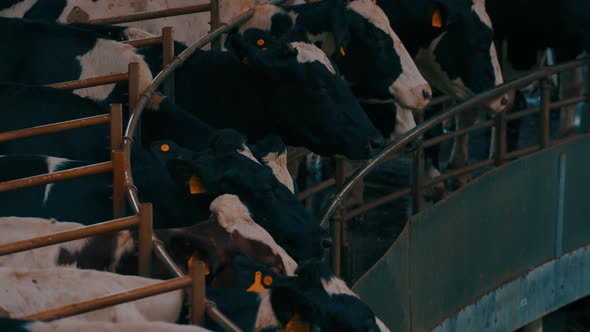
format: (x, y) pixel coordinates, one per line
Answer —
(335, 225)
(588, 99)
(501, 129)
(133, 84)
(417, 172)
(118, 157)
(197, 274)
(560, 205)
(215, 22)
(167, 57)
(342, 224)
(116, 126)
(145, 239)
(544, 114)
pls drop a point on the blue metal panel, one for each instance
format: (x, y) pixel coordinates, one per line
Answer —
(389, 301)
(519, 302)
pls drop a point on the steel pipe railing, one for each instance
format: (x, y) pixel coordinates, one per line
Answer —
(151, 15)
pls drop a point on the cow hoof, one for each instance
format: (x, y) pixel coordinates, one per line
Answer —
(435, 193)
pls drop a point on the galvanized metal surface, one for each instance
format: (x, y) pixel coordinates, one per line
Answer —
(499, 227)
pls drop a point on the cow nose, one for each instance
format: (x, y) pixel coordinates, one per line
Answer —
(426, 94)
(504, 101)
(327, 243)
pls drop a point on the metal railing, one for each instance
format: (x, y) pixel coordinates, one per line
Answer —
(335, 215)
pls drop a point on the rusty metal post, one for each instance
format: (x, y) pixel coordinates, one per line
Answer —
(501, 128)
(167, 57)
(417, 171)
(215, 23)
(116, 126)
(145, 239)
(544, 112)
(134, 85)
(197, 273)
(588, 99)
(335, 230)
(119, 187)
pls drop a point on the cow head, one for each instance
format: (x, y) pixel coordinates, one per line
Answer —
(271, 151)
(307, 102)
(462, 60)
(229, 232)
(358, 37)
(231, 169)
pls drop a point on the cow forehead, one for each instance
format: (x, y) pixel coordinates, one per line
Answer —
(374, 14)
(261, 18)
(479, 7)
(309, 53)
(336, 286)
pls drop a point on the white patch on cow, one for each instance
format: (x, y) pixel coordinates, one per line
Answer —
(336, 286)
(125, 244)
(134, 33)
(479, 7)
(381, 325)
(71, 325)
(261, 19)
(110, 57)
(246, 152)
(266, 316)
(404, 122)
(18, 9)
(431, 69)
(52, 164)
(409, 86)
(27, 291)
(233, 216)
(327, 40)
(309, 53)
(278, 164)
(496, 103)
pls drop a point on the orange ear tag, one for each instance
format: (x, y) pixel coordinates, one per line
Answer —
(342, 51)
(196, 187)
(196, 257)
(296, 324)
(257, 285)
(165, 147)
(436, 19)
(260, 42)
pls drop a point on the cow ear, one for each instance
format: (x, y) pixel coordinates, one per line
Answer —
(183, 173)
(290, 305)
(184, 246)
(440, 16)
(268, 57)
(340, 26)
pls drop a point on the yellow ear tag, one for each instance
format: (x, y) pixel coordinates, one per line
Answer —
(342, 51)
(264, 49)
(260, 42)
(436, 19)
(165, 147)
(296, 324)
(257, 285)
(196, 186)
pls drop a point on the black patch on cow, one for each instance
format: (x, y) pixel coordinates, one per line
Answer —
(14, 325)
(268, 144)
(46, 10)
(383, 116)
(97, 254)
(280, 24)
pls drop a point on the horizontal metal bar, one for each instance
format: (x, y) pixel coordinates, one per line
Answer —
(111, 300)
(376, 203)
(442, 138)
(152, 15)
(317, 188)
(523, 152)
(521, 114)
(55, 127)
(91, 82)
(144, 41)
(75, 234)
(73, 173)
(458, 172)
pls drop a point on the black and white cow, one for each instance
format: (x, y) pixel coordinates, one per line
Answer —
(314, 298)
(529, 28)
(72, 325)
(187, 28)
(181, 191)
(309, 105)
(230, 231)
